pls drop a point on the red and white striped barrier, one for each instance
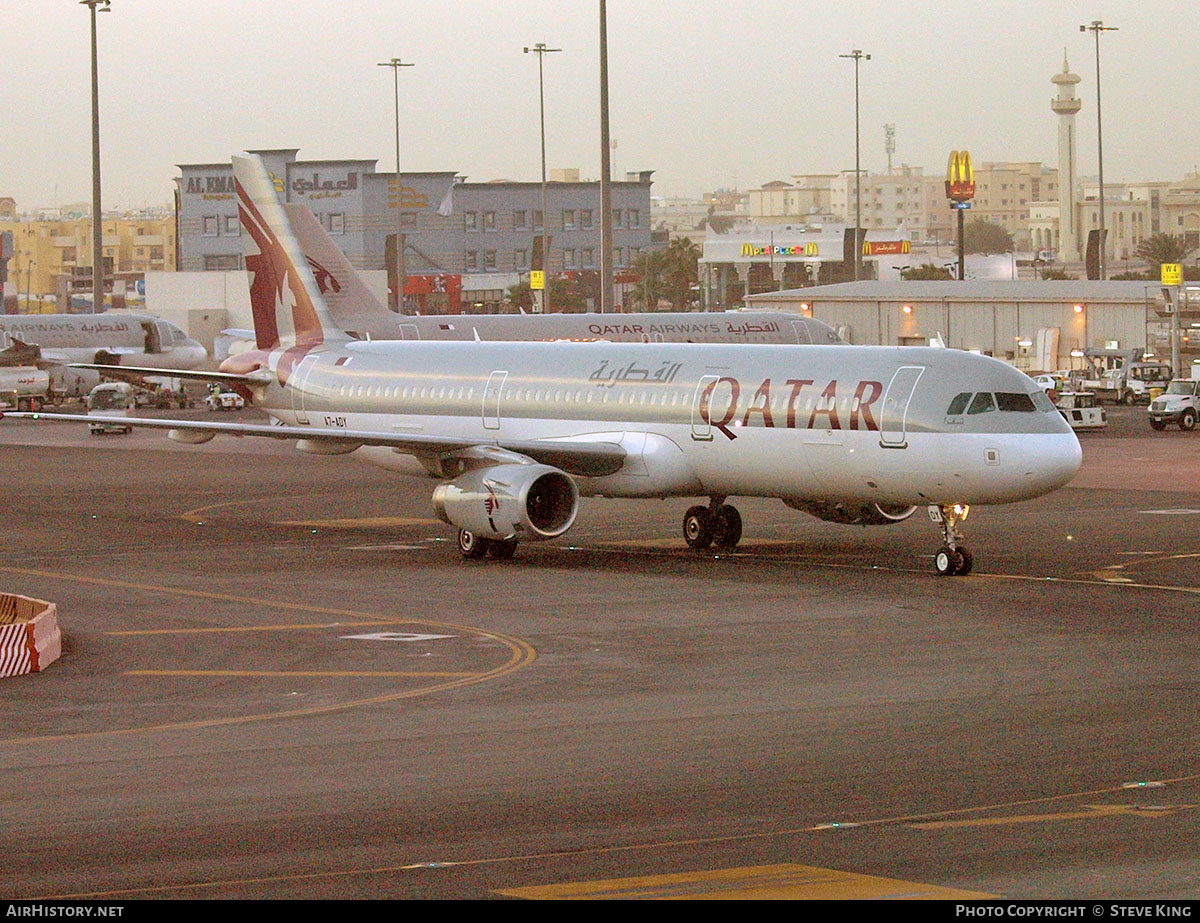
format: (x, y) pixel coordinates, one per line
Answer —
(29, 635)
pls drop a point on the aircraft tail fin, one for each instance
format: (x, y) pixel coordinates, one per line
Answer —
(288, 307)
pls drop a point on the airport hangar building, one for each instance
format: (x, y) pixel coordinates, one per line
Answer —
(1035, 325)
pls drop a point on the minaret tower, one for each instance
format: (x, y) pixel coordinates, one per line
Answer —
(1065, 106)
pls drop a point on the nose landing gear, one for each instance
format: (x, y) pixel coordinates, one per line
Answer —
(953, 559)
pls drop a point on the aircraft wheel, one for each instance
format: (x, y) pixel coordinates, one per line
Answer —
(727, 527)
(1187, 420)
(965, 563)
(1127, 400)
(504, 549)
(944, 561)
(698, 527)
(471, 545)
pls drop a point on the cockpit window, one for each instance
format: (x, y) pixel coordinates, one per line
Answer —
(959, 404)
(1041, 400)
(1015, 401)
(983, 403)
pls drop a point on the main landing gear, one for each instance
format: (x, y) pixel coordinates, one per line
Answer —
(953, 560)
(717, 524)
(473, 547)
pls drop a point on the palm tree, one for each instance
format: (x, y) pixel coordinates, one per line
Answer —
(1163, 248)
(668, 275)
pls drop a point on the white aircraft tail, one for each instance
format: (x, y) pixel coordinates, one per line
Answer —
(289, 309)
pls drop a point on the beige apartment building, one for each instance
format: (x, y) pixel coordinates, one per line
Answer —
(908, 199)
(52, 258)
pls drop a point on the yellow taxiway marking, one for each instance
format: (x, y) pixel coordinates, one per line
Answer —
(200, 513)
(1089, 811)
(407, 674)
(233, 629)
(757, 882)
(1113, 573)
(613, 849)
(364, 522)
(520, 654)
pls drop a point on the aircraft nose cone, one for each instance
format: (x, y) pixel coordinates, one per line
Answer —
(194, 353)
(1060, 461)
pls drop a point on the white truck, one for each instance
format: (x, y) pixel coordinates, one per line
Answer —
(1180, 403)
(1129, 382)
(110, 399)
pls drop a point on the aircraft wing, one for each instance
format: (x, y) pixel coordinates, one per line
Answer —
(583, 458)
(137, 373)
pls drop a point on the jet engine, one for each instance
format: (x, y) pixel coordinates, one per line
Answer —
(534, 502)
(854, 513)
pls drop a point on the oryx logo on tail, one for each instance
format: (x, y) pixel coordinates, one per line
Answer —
(285, 299)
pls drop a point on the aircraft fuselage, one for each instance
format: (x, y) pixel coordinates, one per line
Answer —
(796, 422)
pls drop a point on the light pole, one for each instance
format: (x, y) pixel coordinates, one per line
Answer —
(97, 222)
(28, 279)
(857, 55)
(395, 64)
(541, 51)
(1096, 28)
(606, 240)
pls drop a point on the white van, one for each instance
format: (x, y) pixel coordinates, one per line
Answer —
(110, 399)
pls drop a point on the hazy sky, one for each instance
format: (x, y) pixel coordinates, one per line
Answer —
(707, 94)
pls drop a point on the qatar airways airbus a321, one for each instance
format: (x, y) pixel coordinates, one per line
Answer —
(515, 432)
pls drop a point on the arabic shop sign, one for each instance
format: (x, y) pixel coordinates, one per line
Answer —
(884, 247)
(318, 188)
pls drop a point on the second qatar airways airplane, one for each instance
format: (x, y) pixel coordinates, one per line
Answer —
(515, 432)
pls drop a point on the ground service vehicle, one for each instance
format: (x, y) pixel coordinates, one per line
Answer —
(224, 399)
(26, 387)
(1081, 410)
(110, 400)
(1180, 403)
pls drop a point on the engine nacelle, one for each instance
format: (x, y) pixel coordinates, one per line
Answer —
(534, 502)
(853, 513)
(190, 436)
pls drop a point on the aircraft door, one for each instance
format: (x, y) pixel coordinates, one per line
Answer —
(701, 408)
(803, 335)
(893, 427)
(164, 335)
(491, 400)
(297, 382)
(151, 339)
(409, 332)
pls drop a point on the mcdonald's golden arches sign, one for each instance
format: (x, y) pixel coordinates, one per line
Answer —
(960, 177)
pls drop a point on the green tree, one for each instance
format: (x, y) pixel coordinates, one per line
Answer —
(985, 237)
(667, 275)
(719, 223)
(1059, 275)
(926, 272)
(564, 296)
(1163, 248)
